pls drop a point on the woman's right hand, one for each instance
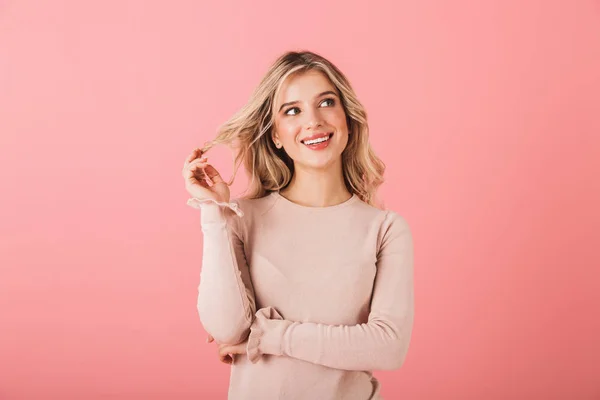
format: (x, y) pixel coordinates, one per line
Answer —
(202, 180)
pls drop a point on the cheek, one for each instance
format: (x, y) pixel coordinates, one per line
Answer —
(288, 130)
(338, 119)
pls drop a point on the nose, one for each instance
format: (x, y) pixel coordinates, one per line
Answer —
(313, 119)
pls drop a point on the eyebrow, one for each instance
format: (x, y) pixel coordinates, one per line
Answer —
(319, 95)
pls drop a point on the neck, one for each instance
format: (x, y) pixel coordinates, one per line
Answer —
(317, 188)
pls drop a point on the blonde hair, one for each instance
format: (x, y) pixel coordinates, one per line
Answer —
(271, 169)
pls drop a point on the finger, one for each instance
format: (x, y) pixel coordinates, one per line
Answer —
(226, 349)
(194, 154)
(223, 350)
(201, 164)
(202, 160)
(231, 349)
(191, 168)
(226, 359)
(224, 354)
(213, 174)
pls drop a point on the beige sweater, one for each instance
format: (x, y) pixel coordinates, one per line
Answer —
(323, 294)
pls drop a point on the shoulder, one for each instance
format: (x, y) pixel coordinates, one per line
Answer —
(395, 235)
(390, 225)
(394, 220)
(384, 218)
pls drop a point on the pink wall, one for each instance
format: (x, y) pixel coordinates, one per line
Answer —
(488, 117)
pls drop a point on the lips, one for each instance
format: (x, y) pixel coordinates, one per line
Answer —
(317, 136)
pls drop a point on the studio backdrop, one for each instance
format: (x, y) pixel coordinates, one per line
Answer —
(486, 114)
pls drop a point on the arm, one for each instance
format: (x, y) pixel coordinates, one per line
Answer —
(226, 303)
(379, 344)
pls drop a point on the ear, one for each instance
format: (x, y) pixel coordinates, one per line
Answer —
(276, 140)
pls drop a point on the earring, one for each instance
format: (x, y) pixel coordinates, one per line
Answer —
(278, 145)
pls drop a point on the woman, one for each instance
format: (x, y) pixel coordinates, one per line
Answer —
(306, 285)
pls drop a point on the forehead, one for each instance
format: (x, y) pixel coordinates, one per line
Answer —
(304, 86)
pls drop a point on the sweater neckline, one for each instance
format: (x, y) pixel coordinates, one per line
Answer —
(285, 200)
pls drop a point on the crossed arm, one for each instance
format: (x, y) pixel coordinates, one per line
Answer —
(228, 312)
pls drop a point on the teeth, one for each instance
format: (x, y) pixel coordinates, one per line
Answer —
(315, 141)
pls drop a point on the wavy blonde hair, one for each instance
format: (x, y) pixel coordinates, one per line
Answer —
(270, 169)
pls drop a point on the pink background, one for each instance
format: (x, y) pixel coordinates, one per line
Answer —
(487, 116)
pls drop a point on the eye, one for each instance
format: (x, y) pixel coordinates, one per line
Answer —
(330, 100)
(287, 112)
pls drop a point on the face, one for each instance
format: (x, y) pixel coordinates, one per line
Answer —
(310, 121)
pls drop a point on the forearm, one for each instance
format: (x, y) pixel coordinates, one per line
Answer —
(225, 303)
(379, 344)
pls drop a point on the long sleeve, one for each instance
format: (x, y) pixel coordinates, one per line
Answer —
(226, 304)
(379, 344)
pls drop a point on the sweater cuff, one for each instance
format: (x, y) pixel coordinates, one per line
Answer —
(212, 210)
(266, 334)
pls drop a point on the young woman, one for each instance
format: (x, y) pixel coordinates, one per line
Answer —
(306, 284)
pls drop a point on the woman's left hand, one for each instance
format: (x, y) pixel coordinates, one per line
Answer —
(227, 352)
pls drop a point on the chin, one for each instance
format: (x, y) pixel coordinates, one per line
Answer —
(320, 164)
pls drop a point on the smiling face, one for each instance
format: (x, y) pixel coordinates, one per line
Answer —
(310, 121)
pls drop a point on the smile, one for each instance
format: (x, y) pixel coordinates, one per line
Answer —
(317, 141)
